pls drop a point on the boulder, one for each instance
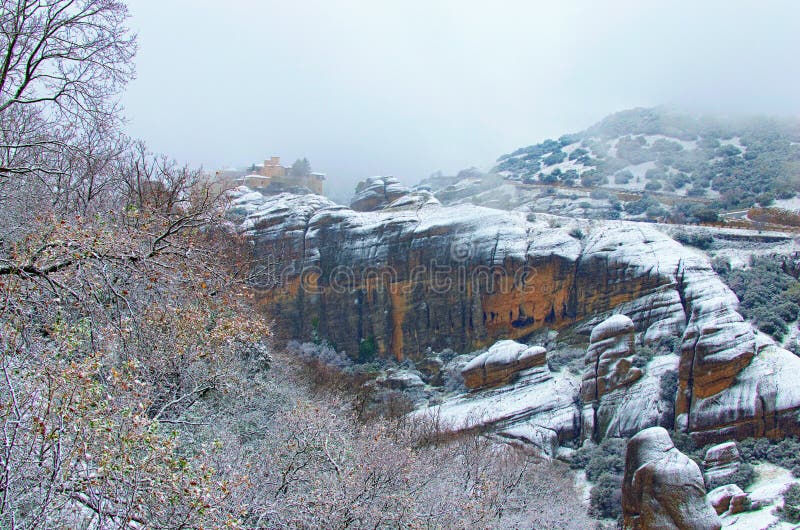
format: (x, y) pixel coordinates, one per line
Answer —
(739, 503)
(663, 488)
(720, 498)
(721, 462)
(501, 364)
(376, 192)
(430, 368)
(400, 380)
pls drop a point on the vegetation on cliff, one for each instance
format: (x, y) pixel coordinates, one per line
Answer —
(735, 163)
(769, 295)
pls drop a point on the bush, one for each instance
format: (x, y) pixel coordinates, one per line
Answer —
(653, 185)
(577, 233)
(702, 241)
(578, 153)
(605, 499)
(609, 456)
(668, 386)
(367, 349)
(639, 207)
(644, 354)
(791, 504)
(570, 176)
(554, 158)
(654, 212)
(323, 352)
(743, 477)
(549, 178)
(706, 214)
(768, 295)
(784, 453)
(565, 357)
(623, 177)
(685, 444)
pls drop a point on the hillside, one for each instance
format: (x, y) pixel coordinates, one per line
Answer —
(732, 163)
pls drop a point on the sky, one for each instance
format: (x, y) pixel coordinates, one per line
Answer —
(406, 88)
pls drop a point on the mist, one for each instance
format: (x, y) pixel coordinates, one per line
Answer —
(407, 88)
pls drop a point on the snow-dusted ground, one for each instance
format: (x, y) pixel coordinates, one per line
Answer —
(788, 204)
(689, 145)
(565, 166)
(770, 483)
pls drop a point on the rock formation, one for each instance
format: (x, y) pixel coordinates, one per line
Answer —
(728, 499)
(662, 487)
(376, 192)
(501, 364)
(417, 275)
(721, 463)
(609, 366)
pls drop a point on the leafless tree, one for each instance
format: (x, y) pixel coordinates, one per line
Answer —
(62, 64)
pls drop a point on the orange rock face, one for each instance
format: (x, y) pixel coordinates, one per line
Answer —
(350, 277)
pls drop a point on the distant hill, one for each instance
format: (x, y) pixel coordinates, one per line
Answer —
(732, 162)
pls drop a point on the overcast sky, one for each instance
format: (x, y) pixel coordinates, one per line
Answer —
(380, 87)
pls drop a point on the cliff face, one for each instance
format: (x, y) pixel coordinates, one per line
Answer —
(422, 275)
(416, 274)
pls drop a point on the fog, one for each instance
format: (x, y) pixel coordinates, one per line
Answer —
(406, 88)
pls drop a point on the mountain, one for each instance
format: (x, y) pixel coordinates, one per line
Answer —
(558, 334)
(731, 163)
(413, 277)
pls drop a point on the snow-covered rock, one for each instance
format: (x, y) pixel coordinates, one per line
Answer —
(538, 409)
(501, 364)
(727, 497)
(722, 461)
(608, 367)
(376, 192)
(663, 488)
(764, 497)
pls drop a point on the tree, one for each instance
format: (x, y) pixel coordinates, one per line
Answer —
(62, 64)
(300, 168)
(117, 315)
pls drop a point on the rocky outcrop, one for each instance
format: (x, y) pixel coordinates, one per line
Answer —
(418, 275)
(610, 358)
(609, 366)
(721, 463)
(663, 488)
(538, 410)
(501, 364)
(377, 192)
(728, 499)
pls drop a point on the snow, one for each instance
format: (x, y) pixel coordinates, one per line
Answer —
(502, 353)
(538, 396)
(766, 491)
(611, 327)
(565, 166)
(633, 251)
(686, 144)
(787, 204)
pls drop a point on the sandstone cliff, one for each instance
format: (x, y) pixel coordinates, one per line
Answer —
(416, 275)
